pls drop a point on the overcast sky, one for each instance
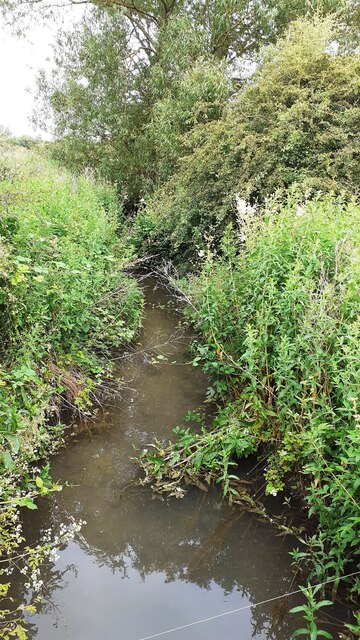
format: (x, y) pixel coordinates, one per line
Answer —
(20, 59)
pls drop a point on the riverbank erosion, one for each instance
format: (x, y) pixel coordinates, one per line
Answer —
(65, 304)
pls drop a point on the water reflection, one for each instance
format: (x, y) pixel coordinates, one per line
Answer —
(141, 565)
(163, 564)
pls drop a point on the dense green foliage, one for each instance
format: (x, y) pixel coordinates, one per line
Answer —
(65, 302)
(127, 85)
(279, 332)
(127, 124)
(229, 28)
(89, 94)
(230, 131)
(64, 297)
(295, 123)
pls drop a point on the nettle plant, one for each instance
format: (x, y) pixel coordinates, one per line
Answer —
(309, 611)
(64, 298)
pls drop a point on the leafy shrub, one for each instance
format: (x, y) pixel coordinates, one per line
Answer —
(285, 309)
(280, 332)
(295, 122)
(63, 279)
(64, 303)
(197, 97)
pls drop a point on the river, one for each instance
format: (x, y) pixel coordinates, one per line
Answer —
(140, 565)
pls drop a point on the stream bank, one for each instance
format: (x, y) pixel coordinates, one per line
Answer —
(139, 565)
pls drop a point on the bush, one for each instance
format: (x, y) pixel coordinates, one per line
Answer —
(280, 333)
(64, 301)
(296, 122)
(286, 312)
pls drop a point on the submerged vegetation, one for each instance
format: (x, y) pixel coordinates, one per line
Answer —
(229, 132)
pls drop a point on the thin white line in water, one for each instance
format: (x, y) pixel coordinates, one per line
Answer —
(248, 606)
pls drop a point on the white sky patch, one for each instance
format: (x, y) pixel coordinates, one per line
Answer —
(20, 61)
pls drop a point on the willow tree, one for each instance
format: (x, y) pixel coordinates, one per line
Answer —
(121, 110)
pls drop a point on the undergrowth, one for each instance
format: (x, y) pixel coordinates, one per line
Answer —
(277, 311)
(65, 303)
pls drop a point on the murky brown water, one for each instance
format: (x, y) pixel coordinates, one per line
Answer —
(141, 566)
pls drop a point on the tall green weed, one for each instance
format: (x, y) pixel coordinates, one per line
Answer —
(277, 311)
(65, 302)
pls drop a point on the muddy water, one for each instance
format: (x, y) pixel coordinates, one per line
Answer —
(141, 566)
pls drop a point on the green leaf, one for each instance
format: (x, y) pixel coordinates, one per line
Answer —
(13, 440)
(155, 459)
(298, 609)
(8, 461)
(323, 603)
(39, 482)
(26, 502)
(21, 632)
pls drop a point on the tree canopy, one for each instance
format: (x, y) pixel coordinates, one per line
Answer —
(295, 124)
(231, 27)
(131, 79)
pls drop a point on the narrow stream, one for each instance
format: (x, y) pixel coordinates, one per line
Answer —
(141, 566)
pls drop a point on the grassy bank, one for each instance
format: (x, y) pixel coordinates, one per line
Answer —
(65, 303)
(277, 310)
